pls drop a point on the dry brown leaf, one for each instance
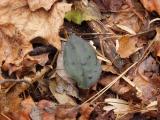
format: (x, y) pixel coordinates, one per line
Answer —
(66, 112)
(85, 111)
(62, 98)
(118, 105)
(127, 46)
(119, 87)
(45, 110)
(63, 86)
(40, 23)
(147, 88)
(37, 4)
(143, 80)
(13, 46)
(148, 69)
(151, 5)
(27, 105)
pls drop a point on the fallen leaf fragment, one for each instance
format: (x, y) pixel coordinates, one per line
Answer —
(127, 29)
(118, 105)
(68, 88)
(66, 112)
(27, 105)
(147, 88)
(37, 4)
(40, 23)
(62, 98)
(85, 111)
(148, 69)
(127, 46)
(45, 110)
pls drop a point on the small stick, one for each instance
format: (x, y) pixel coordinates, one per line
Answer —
(13, 80)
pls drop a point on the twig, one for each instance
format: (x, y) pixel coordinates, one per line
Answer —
(13, 80)
(5, 116)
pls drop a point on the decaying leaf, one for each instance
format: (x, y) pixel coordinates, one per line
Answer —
(68, 88)
(85, 111)
(83, 13)
(37, 23)
(62, 98)
(143, 80)
(148, 69)
(66, 112)
(127, 46)
(80, 62)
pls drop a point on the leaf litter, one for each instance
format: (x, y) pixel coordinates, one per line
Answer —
(103, 65)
